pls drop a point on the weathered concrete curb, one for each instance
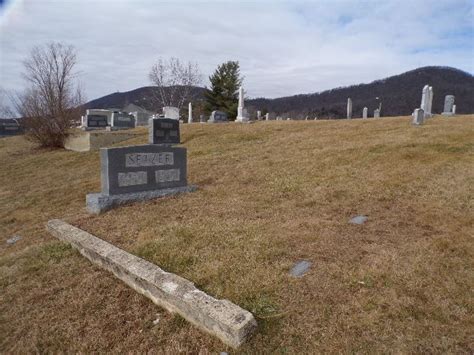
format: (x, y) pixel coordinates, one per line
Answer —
(227, 321)
(98, 203)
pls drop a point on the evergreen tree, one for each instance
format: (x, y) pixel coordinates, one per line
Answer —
(223, 94)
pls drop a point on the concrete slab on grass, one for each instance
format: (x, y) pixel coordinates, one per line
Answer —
(221, 318)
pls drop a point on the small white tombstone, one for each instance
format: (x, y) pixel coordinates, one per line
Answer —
(454, 109)
(190, 113)
(376, 113)
(171, 112)
(364, 112)
(424, 97)
(448, 105)
(242, 115)
(267, 116)
(430, 102)
(349, 108)
(418, 117)
(259, 115)
(288, 119)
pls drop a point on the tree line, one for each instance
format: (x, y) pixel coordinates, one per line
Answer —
(52, 100)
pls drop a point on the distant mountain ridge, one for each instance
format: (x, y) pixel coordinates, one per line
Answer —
(399, 94)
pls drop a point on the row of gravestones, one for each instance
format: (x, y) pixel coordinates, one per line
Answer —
(364, 111)
(10, 127)
(424, 111)
(142, 172)
(111, 120)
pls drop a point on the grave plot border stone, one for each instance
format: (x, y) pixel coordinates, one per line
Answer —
(221, 318)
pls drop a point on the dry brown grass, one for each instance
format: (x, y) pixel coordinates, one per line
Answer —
(270, 193)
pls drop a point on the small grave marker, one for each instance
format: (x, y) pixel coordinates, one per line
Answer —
(218, 117)
(359, 220)
(300, 268)
(163, 131)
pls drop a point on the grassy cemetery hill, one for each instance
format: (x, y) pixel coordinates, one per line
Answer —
(269, 194)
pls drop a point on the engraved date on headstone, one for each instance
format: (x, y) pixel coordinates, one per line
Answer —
(167, 175)
(132, 178)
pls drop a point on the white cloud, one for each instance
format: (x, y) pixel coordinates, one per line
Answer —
(284, 48)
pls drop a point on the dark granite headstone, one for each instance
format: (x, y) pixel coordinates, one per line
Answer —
(142, 168)
(163, 131)
(9, 127)
(96, 121)
(218, 117)
(123, 120)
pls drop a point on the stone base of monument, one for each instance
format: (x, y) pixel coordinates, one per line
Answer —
(98, 203)
(244, 121)
(115, 128)
(93, 128)
(447, 114)
(85, 141)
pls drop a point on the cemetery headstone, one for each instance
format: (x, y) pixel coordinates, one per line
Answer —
(171, 112)
(123, 120)
(96, 121)
(424, 97)
(137, 173)
(427, 100)
(267, 116)
(218, 117)
(376, 113)
(454, 109)
(242, 115)
(418, 117)
(163, 131)
(202, 119)
(448, 105)
(259, 115)
(430, 101)
(190, 113)
(349, 108)
(364, 112)
(142, 172)
(10, 127)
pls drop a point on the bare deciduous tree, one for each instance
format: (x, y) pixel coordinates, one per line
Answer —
(52, 101)
(174, 81)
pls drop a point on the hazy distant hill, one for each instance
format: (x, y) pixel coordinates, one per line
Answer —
(399, 94)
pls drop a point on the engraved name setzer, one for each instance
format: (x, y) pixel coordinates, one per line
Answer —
(135, 160)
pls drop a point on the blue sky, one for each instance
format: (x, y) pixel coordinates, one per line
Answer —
(284, 47)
